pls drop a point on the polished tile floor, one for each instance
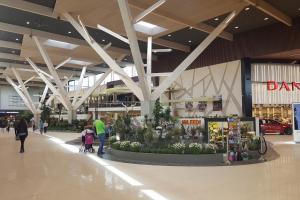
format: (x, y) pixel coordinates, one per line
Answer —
(52, 170)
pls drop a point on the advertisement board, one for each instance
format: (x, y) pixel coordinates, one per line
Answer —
(296, 121)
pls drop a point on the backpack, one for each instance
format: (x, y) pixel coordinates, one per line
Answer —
(89, 138)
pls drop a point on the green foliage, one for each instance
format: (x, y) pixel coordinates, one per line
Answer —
(167, 114)
(27, 115)
(176, 133)
(112, 139)
(254, 145)
(149, 135)
(45, 115)
(116, 145)
(139, 134)
(125, 146)
(119, 127)
(157, 112)
(64, 126)
(135, 146)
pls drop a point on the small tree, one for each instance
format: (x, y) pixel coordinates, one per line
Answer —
(167, 114)
(59, 108)
(157, 112)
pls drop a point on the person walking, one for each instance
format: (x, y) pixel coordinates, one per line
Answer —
(15, 129)
(100, 131)
(45, 126)
(33, 124)
(22, 132)
(41, 127)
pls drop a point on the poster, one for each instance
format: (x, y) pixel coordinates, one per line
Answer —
(202, 105)
(217, 104)
(189, 106)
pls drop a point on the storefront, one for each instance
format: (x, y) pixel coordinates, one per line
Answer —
(274, 88)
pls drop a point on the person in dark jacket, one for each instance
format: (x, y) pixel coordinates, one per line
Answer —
(22, 132)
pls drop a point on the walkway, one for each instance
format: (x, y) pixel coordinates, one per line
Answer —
(52, 170)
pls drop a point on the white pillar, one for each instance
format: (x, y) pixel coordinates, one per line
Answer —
(37, 117)
(147, 108)
(72, 115)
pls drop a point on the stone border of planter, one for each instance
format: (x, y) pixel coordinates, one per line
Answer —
(173, 159)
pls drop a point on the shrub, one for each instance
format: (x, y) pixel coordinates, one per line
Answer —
(176, 133)
(116, 145)
(149, 135)
(112, 139)
(195, 148)
(125, 146)
(254, 145)
(135, 146)
(178, 148)
(210, 148)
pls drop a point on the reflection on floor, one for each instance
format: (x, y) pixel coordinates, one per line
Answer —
(53, 170)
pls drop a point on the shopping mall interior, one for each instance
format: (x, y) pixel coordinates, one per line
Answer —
(152, 99)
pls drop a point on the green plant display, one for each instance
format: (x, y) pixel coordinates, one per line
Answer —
(26, 115)
(157, 112)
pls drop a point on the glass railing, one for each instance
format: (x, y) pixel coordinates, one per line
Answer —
(114, 104)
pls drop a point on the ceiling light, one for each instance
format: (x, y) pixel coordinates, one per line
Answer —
(103, 40)
(79, 62)
(247, 8)
(266, 18)
(69, 32)
(169, 35)
(60, 44)
(27, 22)
(148, 28)
(190, 41)
(236, 27)
(216, 19)
(17, 39)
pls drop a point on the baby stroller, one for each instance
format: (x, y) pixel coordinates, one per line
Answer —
(87, 138)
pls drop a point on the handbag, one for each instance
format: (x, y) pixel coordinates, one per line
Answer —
(22, 134)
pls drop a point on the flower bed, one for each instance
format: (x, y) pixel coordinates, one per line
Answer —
(176, 148)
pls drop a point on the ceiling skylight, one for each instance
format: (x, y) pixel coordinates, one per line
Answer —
(148, 28)
(79, 62)
(60, 44)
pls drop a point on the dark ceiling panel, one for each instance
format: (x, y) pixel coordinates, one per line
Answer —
(186, 36)
(52, 25)
(10, 51)
(47, 3)
(289, 7)
(248, 19)
(11, 37)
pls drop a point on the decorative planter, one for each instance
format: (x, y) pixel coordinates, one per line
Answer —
(174, 159)
(165, 159)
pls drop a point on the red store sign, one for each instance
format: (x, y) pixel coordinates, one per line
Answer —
(274, 85)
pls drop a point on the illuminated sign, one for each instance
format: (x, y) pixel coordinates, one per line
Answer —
(191, 122)
(273, 85)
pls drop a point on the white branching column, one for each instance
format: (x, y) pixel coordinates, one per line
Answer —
(23, 93)
(143, 90)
